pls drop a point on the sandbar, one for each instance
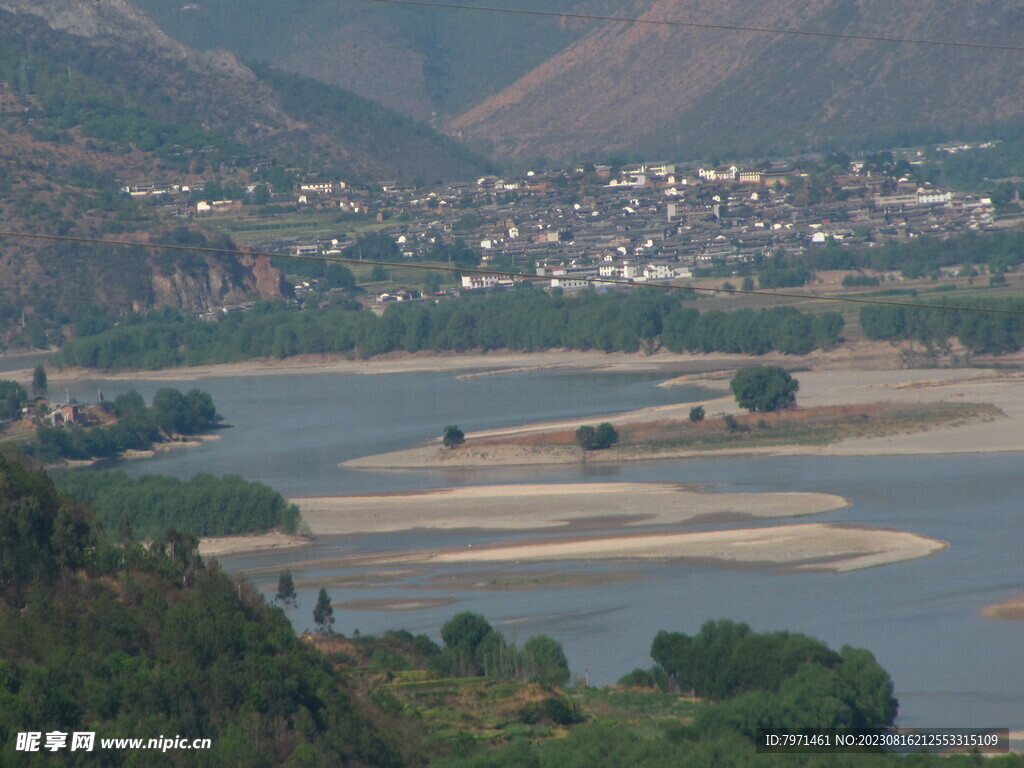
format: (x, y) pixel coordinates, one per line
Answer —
(1002, 389)
(539, 506)
(798, 547)
(396, 603)
(497, 362)
(1008, 609)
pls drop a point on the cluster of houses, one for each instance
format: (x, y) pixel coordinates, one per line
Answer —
(636, 223)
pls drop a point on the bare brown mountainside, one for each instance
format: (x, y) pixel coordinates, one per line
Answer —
(700, 91)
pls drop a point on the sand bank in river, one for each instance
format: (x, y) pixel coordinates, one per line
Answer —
(403, 362)
(1003, 389)
(525, 507)
(1008, 609)
(797, 547)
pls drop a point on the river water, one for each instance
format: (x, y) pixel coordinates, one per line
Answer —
(920, 618)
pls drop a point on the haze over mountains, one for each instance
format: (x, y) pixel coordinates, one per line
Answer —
(529, 88)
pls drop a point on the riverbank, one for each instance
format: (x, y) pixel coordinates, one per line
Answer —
(215, 546)
(864, 355)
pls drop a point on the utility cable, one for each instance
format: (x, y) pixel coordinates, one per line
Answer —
(697, 25)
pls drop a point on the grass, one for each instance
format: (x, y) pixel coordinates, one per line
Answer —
(811, 426)
(817, 426)
(247, 228)
(478, 710)
(17, 432)
(803, 426)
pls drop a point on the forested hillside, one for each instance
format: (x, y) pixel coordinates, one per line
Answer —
(129, 641)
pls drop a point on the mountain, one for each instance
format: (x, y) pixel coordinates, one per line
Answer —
(698, 92)
(127, 64)
(539, 87)
(425, 62)
(94, 96)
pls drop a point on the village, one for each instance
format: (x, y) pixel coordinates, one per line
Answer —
(633, 223)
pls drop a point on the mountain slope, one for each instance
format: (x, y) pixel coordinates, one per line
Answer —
(94, 97)
(691, 91)
(420, 61)
(119, 48)
(128, 640)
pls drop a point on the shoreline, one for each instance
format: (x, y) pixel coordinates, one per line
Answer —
(215, 546)
(867, 354)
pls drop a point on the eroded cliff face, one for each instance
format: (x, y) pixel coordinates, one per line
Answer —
(219, 283)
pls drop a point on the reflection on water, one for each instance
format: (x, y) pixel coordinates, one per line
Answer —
(920, 618)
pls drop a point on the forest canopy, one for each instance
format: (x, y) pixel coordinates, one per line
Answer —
(526, 319)
(203, 506)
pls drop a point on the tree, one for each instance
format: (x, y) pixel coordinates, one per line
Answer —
(606, 435)
(590, 439)
(465, 631)
(697, 413)
(12, 395)
(286, 590)
(586, 437)
(463, 636)
(323, 613)
(764, 388)
(544, 661)
(39, 385)
(453, 436)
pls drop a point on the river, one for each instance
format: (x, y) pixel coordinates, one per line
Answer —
(920, 618)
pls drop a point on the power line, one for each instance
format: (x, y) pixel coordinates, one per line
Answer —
(499, 273)
(698, 25)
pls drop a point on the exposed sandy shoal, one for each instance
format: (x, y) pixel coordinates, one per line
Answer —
(396, 603)
(500, 362)
(800, 547)
(522, 507)
(513, 578)
(1002, 389)
(229, 545)
(1008, 609)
